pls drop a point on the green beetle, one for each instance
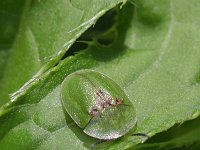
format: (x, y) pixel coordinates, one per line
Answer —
(98, 105)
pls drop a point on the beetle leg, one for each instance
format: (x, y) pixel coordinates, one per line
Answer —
(141, 134)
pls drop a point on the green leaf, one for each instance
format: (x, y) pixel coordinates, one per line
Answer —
(155, 60)
(47, 29)
(10, 13)
(185, 136)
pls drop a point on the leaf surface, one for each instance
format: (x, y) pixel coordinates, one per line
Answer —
(46, 31)
(155, 59)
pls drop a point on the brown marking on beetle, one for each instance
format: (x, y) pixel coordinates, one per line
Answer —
(101, 95)
(104, 104)
(119, 102)
(115, 102)
(94, 111)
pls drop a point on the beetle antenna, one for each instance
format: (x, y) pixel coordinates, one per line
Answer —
(97, 142)
(141, 134)
(132, 2)
(126, 104)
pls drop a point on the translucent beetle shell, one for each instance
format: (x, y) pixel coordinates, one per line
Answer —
(98, 105)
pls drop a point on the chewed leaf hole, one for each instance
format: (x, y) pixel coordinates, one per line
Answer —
(102, 32)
